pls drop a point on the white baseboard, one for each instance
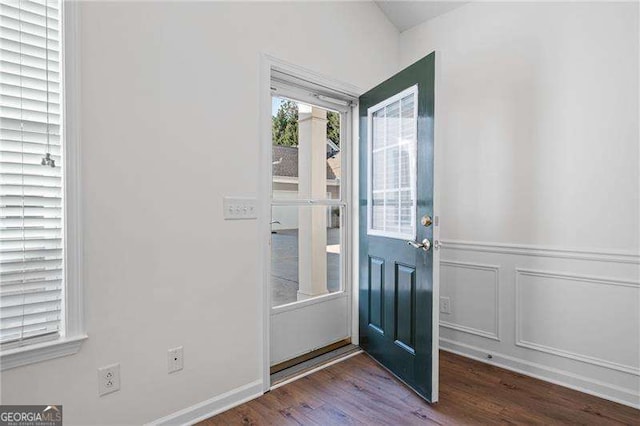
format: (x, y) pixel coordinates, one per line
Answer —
(213, 406)
(563, 378)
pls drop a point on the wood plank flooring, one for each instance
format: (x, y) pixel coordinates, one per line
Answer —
(358, 391)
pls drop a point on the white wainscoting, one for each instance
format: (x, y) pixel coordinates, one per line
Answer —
(475, 292)
(571, 317)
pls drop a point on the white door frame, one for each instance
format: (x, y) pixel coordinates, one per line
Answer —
(268, 64)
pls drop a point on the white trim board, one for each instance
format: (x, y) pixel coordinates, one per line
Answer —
(543, 251)
(205, 409)
(621, 395)
(38, 352)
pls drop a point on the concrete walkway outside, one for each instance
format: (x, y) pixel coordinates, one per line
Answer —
(284, 265)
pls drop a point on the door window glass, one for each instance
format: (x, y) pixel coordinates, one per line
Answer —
(306, 153)
(307, 204)
(306, 255)
(392, 145)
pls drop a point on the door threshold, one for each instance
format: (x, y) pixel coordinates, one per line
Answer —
(308, 366)
(309, 355)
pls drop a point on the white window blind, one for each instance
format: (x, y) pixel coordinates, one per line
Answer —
(392, 166)
(31, 175)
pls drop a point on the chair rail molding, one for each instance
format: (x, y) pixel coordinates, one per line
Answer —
(544, 251)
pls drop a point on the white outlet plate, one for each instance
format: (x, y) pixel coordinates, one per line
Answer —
(175, 359)
(108, 379)
(445, 305)
(239, 208)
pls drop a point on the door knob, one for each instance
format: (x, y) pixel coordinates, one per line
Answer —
(424, 245)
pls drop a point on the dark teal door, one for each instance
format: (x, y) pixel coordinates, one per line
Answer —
(396, 204)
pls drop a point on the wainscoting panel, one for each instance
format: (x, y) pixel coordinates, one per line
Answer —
(474, 291)
(570, 317)
(578, 317)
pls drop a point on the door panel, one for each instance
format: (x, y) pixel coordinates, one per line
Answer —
(396, 191)
(405, 307)
(376, 295)
(297, 330)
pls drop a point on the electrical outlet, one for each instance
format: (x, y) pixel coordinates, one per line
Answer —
(108, 379)
(445, 305)
(175, 359)
(237, 208)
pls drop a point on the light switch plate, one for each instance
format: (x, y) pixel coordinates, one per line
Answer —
(240, 208)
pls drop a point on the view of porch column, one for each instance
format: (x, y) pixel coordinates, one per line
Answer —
(312, 221)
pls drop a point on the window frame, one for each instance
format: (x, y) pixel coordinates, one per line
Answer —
(286, 90)
(413, 90)
(73, 332)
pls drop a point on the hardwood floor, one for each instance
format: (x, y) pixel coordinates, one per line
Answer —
(358, 391)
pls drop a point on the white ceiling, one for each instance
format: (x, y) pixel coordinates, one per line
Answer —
(406, 14)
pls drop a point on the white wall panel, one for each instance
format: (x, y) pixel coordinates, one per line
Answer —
(537, 122)
(170, 125)
(295, 329)
(538, 140)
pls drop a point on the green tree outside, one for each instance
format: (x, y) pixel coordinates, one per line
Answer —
(284, 125)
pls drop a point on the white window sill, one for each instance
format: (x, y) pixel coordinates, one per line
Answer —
(39, 352)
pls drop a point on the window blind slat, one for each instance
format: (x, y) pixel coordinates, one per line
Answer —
(36, 296)
(24, 278)
(27, 137)
(51, 212)
(24, 157)
(29, 51)
(36, 285)
(19, 103)
(25, 114)
(31, 213)
(35, 8)
(13, 313)
(27, 127)
(41, 243)
(36, 28)
(26, 179)
(27, 331)
(30, 264)
(27, 93)
(31, 190)
(29, 39)
(47, 73)
(17, 60)
(34, 230)
(29, 201)
(16, 79)
(26, 10)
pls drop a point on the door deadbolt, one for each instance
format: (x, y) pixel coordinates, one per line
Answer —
(426, 221)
